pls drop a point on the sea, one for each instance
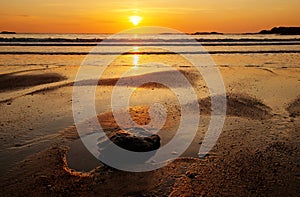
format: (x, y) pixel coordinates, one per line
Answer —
(249, 50)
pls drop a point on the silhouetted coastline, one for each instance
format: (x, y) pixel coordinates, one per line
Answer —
(207, 33)
(7, 32)
(282, 31)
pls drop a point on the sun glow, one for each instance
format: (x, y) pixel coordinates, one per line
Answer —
(135, 20)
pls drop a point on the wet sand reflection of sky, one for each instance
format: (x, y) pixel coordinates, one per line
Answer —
(135, 58)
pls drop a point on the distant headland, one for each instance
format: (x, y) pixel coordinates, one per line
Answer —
(282, 31)
(274, 30)
(7, 32)
(207, 33)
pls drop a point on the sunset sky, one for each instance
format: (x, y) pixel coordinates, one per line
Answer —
(96, 16)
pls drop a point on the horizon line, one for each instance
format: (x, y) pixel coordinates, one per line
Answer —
(194, 32)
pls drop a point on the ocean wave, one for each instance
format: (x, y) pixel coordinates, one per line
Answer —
(145, 53)
(147, 44)
(98, 40)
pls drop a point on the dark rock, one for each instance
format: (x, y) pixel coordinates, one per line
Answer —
(135, 139)
(129, 141)
(190, 174)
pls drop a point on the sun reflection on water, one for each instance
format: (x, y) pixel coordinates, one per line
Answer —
(135, 58)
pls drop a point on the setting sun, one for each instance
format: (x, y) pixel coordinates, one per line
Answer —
(135, 20)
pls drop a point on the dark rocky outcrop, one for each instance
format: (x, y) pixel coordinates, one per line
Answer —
(282, 31)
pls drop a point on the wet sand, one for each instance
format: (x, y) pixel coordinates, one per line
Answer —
(257, 153)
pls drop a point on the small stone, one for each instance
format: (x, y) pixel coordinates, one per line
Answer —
(190, 174)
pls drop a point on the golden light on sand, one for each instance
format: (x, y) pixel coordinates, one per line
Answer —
(135, 20)
(135, 58)
(135, 61)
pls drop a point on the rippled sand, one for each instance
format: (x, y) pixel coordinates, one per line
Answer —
(257, 152)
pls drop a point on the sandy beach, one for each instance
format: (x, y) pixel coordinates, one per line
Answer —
(257, 153)
(150, 98)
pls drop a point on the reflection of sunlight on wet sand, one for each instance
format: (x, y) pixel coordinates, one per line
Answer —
(135, 61)
(133, 88)
(135, 58)
(135, 48)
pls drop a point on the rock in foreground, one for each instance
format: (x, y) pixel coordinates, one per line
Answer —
(129, 141)
(146, 143)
